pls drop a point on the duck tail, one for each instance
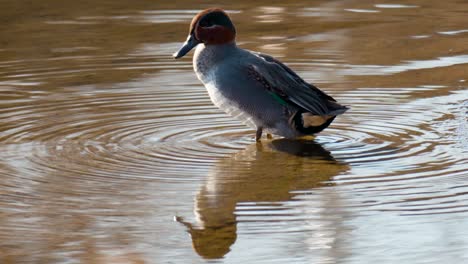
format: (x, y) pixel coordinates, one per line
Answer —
(336, 108)
(309, 123)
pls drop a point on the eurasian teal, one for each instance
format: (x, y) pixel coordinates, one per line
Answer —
(254, 87)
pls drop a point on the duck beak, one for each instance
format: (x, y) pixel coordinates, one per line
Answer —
(188, 45)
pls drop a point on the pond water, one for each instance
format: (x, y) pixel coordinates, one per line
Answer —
(111, 151)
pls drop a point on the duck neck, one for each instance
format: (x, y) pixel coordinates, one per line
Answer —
(208, 56)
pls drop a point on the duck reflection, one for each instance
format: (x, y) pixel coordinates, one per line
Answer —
(263, 172)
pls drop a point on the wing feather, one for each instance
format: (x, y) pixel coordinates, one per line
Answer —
(285, 83)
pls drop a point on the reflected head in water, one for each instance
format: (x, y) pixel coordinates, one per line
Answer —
(256, 88)
(211, 242)
(266, 172)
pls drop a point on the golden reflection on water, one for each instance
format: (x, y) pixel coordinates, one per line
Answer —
(105, 138)
(248, 176)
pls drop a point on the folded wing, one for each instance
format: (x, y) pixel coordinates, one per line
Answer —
(287, 85)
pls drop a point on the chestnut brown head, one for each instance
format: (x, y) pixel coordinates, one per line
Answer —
(210, 27)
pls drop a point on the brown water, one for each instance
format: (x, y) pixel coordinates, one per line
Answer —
(106, 140)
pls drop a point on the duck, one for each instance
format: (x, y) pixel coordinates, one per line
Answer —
(253, 87)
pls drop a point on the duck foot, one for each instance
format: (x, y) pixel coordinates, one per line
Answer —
(258, 134)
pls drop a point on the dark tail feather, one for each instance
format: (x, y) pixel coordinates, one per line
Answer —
(308, 123)
(336, 108)
(307, 130)
(339, 111)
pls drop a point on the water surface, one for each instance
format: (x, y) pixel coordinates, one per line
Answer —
(111, 151)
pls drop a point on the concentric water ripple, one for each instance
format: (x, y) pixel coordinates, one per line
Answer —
(174, 130)
(146, 131)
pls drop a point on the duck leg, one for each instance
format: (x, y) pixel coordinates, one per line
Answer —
(258, 134)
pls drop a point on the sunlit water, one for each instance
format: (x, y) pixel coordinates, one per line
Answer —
(111, 151)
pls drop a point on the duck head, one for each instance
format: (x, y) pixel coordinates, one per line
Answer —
(210, 27)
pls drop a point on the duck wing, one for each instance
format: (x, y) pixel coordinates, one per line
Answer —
(286, 84)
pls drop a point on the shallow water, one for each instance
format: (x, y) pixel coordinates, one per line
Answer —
(106, 140)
